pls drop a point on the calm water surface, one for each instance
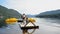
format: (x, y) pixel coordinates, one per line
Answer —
(46, 26)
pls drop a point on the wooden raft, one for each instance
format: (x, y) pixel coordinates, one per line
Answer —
(30, 27)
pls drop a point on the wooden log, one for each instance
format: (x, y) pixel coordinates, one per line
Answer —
(30, 27)
(20, 21)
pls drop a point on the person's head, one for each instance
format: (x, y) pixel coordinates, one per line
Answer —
(23, 13)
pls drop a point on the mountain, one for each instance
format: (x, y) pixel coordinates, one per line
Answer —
(7, 13)
(50, 14)
(29, 15)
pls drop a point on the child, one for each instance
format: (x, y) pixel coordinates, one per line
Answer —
(27, 21)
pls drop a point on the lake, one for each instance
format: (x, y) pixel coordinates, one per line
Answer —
(46, 26)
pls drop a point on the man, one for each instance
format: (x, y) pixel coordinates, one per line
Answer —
(24, 18)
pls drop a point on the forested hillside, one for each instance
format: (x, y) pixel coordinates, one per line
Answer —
(7, 13)
(50, 14)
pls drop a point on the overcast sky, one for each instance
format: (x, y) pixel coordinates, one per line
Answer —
(31, 6)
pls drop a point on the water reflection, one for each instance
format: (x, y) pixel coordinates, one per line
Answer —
(46, 26)
(27, 28)
(26, 31)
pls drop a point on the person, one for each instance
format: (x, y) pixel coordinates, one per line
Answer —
(27, 21)
(23, 18)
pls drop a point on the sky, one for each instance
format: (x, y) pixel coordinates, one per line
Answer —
(31, 6)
